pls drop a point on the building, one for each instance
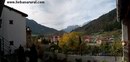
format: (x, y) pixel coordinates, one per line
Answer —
(55, 39)
(123, 13)
(87, 38)
(28, 37)
(1, 6)
(102, 40)
(12, 29)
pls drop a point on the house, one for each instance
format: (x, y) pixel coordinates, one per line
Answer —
(123, 13)
(12, 29)
(87, 38)
(100, 40)
(55, 39)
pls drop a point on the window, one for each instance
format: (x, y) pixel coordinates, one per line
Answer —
(10, 21)
(0, 22)
(11, 42)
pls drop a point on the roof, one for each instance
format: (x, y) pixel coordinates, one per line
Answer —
(123, 8)
(23, 14)
(1, 6)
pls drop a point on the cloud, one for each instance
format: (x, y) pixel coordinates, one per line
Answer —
(59, 14)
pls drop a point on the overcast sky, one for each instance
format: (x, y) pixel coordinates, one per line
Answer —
(59, 14)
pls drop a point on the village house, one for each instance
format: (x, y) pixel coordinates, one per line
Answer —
(12, 29)
(99, 39)
(55, 39)
(87, 38)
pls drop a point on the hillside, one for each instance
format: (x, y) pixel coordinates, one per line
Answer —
(70, 28)
(104, 23)
(40, 29)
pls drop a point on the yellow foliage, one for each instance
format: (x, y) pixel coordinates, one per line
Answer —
(69, 39)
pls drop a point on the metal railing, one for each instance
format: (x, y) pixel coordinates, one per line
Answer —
(5, 47)
(5, 50)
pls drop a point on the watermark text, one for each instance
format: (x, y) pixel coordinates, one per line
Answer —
(25, 2)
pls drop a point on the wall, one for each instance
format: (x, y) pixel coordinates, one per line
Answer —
(124, 32)
(85, 58)
(13, 32)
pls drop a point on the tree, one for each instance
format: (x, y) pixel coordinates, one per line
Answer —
(116, 49)
(105, 48)
(45, 41)
(95, 50)
(104, 61)
(70, 41)
(92, 50)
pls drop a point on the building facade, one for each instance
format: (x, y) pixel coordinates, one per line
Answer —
(123, 13)
(12, 29)
(1, 6)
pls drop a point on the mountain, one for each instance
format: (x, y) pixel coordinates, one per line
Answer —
(40, 29)
(70, 28)
(85, 23)
(106, 22)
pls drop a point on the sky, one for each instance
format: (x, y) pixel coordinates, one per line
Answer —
(59, 14)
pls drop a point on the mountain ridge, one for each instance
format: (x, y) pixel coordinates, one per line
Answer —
(40, 29)
(106, 22)
(70, 28)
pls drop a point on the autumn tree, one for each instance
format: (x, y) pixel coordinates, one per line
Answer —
(70, 41)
